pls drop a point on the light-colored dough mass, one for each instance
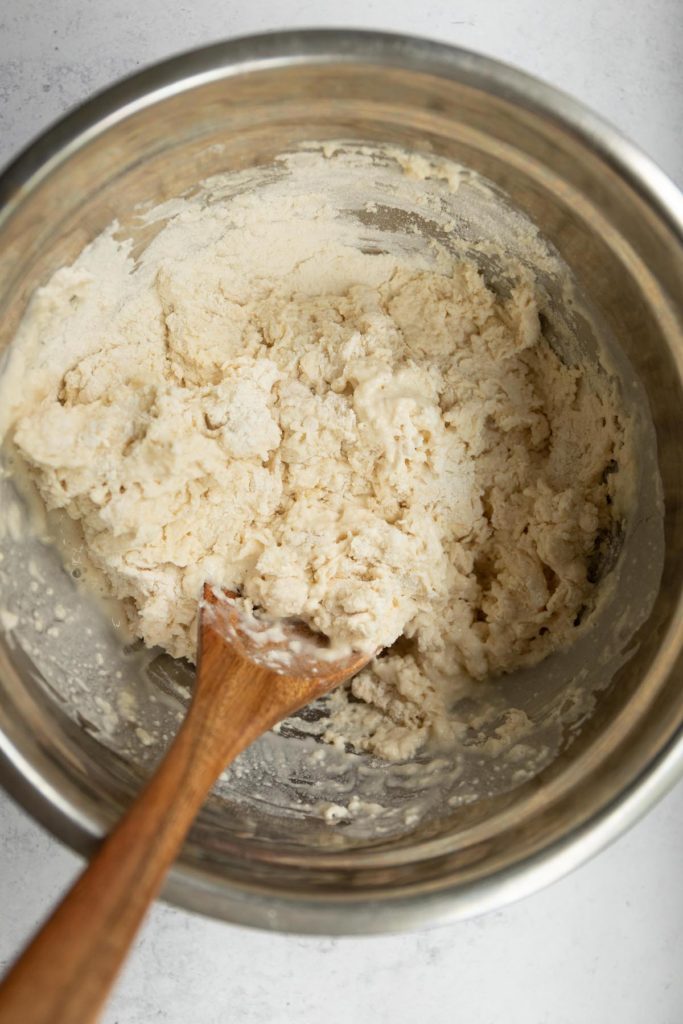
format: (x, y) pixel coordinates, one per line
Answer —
(376, 442)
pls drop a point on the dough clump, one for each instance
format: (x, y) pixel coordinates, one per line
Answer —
(378, 443)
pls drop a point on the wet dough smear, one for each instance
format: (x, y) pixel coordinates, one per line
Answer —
(378, 443)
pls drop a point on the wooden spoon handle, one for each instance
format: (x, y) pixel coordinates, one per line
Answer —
(67, 970)
(64, 975)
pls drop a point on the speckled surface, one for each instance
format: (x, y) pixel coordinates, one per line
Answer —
(602, 945)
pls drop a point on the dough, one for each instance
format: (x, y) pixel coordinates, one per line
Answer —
(377, 442)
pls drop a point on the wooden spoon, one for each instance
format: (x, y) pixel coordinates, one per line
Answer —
(241, 691)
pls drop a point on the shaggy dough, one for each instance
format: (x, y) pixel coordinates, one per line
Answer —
(375, 442)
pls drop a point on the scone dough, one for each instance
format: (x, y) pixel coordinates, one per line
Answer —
(375, 442)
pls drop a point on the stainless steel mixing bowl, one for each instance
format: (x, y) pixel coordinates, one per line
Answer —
(618, 223)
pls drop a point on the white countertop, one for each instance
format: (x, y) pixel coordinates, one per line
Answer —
(604, 944)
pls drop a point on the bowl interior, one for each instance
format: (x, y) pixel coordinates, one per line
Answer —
(440, 820)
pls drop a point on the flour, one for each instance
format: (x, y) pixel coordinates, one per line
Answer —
(370, 439)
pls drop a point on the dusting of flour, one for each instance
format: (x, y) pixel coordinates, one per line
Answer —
(373, 440)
